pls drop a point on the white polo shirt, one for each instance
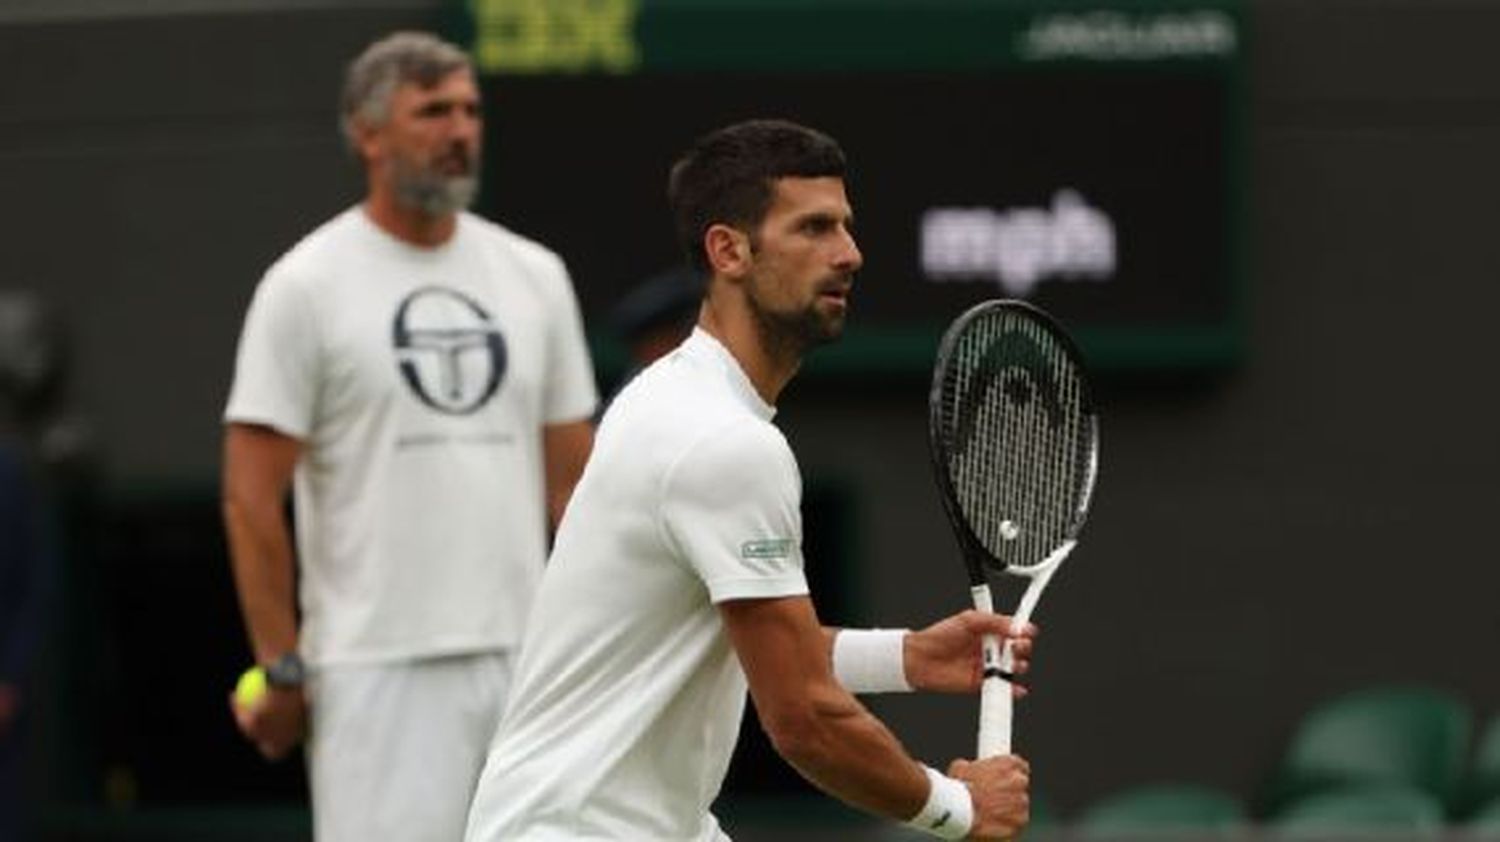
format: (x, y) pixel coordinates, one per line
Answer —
(628, 697)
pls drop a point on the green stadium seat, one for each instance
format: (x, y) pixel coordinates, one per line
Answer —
(1484, 822)
(1414, 737)
(1482, 788)
(1163, 810)
(1374, 812)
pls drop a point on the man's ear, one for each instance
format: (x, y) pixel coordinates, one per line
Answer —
(367, 140)
(727, 249)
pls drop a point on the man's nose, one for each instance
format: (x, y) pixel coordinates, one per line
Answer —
(849, 258)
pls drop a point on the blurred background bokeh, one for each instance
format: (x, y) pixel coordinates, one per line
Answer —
(1271, 222)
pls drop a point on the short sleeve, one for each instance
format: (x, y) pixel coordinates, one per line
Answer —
(571, 392)
(276, 371)
(732, 508)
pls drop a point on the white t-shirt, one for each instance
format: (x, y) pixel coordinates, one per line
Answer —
(418, 381)
(628, 697)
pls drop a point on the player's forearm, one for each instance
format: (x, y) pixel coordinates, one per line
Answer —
(843, 749)
(260, 550)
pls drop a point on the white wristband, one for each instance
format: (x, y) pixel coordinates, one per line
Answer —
(871, 660)
(949, 811)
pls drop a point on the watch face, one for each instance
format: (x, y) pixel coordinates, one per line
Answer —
(286, 671)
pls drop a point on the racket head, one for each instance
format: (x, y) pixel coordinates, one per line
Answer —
(1014, 436)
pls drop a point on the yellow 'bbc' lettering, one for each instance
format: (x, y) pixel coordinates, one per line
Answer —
(540, 36)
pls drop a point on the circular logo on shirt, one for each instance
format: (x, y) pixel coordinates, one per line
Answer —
(451, 355)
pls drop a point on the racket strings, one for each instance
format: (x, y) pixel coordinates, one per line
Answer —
(1019, 434)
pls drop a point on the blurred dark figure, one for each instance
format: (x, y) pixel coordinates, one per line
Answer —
(20, 568)
(655, 316)
(38, 440)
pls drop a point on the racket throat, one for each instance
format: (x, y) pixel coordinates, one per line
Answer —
(1027, 606)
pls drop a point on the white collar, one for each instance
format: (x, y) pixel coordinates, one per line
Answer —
(701, 343)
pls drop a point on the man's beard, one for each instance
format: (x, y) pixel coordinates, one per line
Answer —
(433, 193)
(799, 331)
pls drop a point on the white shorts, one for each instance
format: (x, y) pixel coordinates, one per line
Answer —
(394, 751)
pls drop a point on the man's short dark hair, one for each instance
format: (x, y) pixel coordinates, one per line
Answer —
(729, 175)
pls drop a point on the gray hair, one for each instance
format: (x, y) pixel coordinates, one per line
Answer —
(401, 57)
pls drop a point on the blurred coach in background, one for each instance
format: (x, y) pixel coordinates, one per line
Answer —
(422, 374)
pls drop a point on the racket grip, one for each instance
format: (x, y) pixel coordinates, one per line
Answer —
(996, 707)
(995, 716)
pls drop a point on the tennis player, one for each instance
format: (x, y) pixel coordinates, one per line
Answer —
(678, 574)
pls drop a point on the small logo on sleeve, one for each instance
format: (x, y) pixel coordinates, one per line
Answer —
(767, 548)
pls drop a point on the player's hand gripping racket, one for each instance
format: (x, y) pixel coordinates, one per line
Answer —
(1015, 446)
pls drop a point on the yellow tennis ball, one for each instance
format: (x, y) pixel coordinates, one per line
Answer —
(250, 688)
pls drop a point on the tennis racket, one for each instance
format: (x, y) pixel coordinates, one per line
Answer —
(1015, 447)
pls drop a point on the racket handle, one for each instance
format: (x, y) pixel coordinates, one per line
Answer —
(995, 703)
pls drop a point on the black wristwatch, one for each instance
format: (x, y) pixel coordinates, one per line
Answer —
(286, 671)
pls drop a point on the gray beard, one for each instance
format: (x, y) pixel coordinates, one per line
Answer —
(436, 195)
